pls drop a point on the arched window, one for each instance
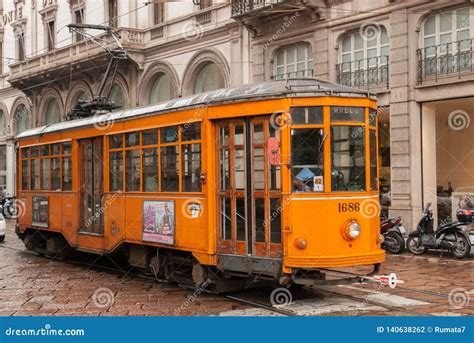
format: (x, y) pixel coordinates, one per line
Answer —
(294, 61)
(116, 96)
(161, 90)
(22, 118)
(53, 112)
(364, 57)
(3, 124)
(447, 41)
(209, 78)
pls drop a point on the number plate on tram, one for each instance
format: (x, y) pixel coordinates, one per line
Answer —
(348, 207)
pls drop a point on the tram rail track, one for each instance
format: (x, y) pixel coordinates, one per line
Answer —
(251, 302)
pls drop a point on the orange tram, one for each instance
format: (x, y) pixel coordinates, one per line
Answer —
(273, 181)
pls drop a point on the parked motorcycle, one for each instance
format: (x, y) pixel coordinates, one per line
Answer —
(452, 236)
(8, 207)
(393, 232)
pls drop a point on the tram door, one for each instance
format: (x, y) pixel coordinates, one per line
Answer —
(92, 186)
(249, 198)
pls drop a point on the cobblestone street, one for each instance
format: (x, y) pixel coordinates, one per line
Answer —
(34, 285)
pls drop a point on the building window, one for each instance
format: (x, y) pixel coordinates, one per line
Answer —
(447, 42)
(158, 13)
(294, 61)
(50, 35)
(117, 96)
(22, 118)
(78, 19)
(3, 124)
(47, 167)
(364, 59)
(205, 4)
(151, 160)
(161, 90)
(53, 112)
(208, 78)
(113, 13)
(20, 46)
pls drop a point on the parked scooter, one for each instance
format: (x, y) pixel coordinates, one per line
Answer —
(393, 232)
(452, 236)
(7, 207)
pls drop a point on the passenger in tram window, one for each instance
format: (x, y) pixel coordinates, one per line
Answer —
(304, 180)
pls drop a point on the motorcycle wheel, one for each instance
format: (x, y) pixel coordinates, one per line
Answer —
(415, 246)
(463, 248)
(397, 243)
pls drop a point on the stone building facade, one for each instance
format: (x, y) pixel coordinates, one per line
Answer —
(417, 56)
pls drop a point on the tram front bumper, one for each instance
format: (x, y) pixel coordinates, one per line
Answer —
(313, 262)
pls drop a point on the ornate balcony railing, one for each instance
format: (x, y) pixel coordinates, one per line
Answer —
(299, 73)
(365, 73)
(447, 59)
(240, 7)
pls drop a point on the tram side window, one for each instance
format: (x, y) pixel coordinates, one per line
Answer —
(25, 169)
(307, 159)
(132, 161)
(373, 161)
(66, 167)
(116, 171)
(47, 167)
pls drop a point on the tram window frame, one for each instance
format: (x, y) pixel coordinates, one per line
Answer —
(313, 123)
(152, 145)
(349, 120)
(49, 179)
(373, 150)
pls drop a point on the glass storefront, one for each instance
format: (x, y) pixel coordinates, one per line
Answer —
(448, 155)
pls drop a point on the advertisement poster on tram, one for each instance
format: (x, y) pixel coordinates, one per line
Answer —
(40, 211)
(158, 221)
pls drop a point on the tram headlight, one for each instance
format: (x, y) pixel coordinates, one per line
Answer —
(351, 230)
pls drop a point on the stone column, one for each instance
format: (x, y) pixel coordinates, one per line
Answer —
(404, 125)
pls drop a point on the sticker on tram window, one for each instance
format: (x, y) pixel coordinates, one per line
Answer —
(348, 207)
(40, 211)
(159, 221)
(318, 183)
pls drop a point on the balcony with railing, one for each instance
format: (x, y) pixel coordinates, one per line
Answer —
(298, 73)
(368, 73)
(445, 60)
(241, 7)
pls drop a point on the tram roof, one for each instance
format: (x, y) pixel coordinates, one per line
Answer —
(294, 87)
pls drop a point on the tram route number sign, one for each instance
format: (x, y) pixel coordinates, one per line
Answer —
(348, 207)
(159, 221)
(40, 211)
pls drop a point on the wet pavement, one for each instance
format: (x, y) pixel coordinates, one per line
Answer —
(34, 285)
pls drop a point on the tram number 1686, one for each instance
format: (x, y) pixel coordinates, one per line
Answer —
(348, 207)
